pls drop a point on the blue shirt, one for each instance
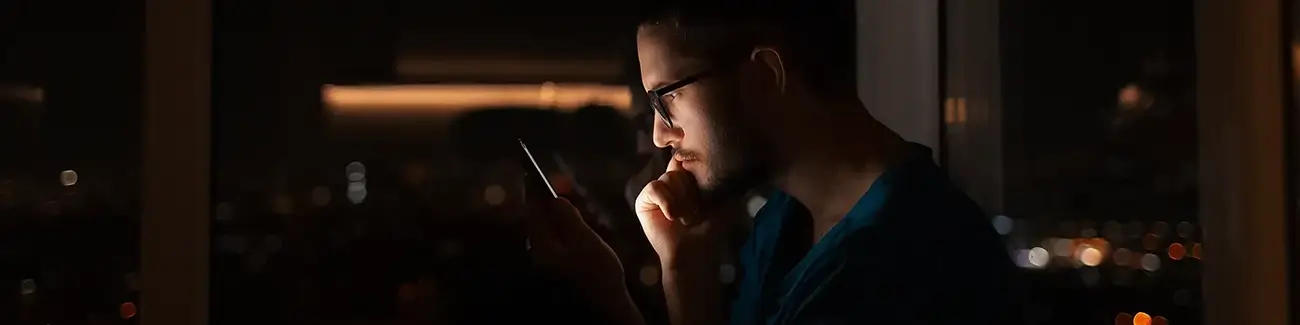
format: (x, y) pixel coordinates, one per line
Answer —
(913, 250)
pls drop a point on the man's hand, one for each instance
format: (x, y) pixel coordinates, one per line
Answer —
(560, 240)
(671, 215)
(688, 243)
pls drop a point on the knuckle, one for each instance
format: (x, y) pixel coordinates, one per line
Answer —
(661, 191)
(655, 188)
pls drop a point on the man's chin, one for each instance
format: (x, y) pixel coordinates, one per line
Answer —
(716, 193)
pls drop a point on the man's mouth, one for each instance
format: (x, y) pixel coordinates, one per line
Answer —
(684, 156)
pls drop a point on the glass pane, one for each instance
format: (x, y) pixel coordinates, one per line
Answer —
(1081, 139)
(1293, 129)
(70, 114)
(380, 181)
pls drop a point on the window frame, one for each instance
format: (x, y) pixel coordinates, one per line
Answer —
(174, 234)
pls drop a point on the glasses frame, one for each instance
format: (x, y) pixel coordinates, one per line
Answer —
(656, 95)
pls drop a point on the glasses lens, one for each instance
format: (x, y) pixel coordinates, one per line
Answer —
(657, 103)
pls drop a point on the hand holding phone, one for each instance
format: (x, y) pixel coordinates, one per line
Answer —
(560, 240)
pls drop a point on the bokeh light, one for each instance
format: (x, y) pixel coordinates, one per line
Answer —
(1150, 262)
(1176, 251)
(1038, 257)
(356, 171)
(1122, 257)
(127, 310)
(755, 204)
(1090, 256)
(1141, 319)
(68, 177)
(727, 273)
(494, 194)
(1151, 242)
(1123, 319)
(1160, 229)
(1003, 224)
(320, 196)
(649, 275)
(357, 192)
(1185, 229)
(27, 286)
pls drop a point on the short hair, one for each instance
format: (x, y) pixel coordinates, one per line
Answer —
(817, 38)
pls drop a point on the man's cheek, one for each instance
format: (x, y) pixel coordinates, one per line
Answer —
(703, 177)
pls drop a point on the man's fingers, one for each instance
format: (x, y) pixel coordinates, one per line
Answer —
(673, 165)
(657, 195)
(566, 219)
(543, 243)
(684, 194)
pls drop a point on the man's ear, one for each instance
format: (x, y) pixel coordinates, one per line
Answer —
(771, 59)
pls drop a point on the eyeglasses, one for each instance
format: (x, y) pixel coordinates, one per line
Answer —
(657, 95)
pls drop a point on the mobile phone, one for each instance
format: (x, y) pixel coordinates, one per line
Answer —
(538, 185)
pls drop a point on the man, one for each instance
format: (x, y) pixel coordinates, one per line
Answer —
(860, 225)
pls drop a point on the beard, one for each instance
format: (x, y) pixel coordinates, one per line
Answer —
(737, 159)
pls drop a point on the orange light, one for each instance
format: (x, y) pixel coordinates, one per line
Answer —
(127, 310)
(1123, 319)
(961, 110)
(1295, 57)
(1141, 319)
(1090, 256)
(950, 110)
(561, 183)
(22, 92)
(1177, 251)
(1090, 251)
(435, 69)
(348, 100)
(1129, 96)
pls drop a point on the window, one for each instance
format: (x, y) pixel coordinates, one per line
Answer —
(380, 180)
(70, 176)
(1075, 124)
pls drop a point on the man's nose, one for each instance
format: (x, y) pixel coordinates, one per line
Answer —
(664, 136)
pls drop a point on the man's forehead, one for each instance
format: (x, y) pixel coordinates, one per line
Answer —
(663, 60)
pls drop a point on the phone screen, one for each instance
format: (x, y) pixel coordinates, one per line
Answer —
(537, 185)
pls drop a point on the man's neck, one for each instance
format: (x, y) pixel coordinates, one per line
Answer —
(830, 169)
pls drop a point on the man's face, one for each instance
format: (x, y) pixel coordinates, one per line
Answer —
(716, 127)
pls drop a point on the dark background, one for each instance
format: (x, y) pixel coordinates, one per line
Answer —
(422, 247)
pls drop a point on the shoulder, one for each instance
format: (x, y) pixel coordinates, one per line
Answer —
(933, 252)
(940, 226)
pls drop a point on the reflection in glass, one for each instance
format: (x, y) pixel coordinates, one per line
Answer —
(1091, 123)
(70, 115)
(349, 188)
